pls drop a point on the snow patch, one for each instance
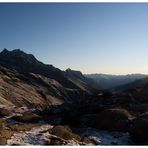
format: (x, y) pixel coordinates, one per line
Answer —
(36, 136)
(102, 137)
(41, 136)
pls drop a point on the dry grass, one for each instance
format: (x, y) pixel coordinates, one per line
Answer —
(21, 127)
(5, 134)
(3, 141)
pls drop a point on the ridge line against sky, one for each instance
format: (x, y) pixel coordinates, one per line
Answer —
(90, 37)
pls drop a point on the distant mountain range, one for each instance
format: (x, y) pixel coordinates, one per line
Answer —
(106, 81)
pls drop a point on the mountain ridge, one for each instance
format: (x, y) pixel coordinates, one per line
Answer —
(111, 81)
(48, 83)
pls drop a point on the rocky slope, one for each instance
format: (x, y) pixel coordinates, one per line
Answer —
(42, 105)
(25, 81)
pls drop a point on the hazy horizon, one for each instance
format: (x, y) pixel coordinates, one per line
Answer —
(108, 38)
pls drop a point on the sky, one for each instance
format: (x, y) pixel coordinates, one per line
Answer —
(109, 38)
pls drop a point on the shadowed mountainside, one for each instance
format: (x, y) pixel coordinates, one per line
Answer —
(27, 81)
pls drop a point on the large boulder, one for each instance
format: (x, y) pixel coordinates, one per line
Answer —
(64, 132)
(113, 119)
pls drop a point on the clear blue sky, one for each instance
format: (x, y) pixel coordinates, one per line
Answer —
(93, 38)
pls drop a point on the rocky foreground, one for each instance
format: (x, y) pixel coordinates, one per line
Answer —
(14, 132)
(61, 126)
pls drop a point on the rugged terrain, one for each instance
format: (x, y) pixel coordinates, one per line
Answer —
(42, 105)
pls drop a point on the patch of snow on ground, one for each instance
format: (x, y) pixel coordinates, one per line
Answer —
(102, 137)
(41, 136)
(36, 136)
